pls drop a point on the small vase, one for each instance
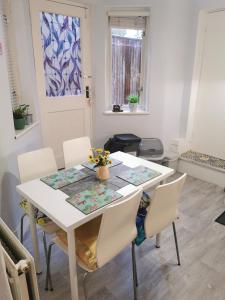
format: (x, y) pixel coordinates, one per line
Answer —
(133, 107)
(102, 173)
(29, 119)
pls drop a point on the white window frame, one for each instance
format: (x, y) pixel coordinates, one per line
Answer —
(124, 12)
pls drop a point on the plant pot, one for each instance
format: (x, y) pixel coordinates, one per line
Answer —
(102, 173)
(19, 123)
(133, 106)
(29, 119)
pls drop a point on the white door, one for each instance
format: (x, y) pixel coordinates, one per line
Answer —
(209, 126)
(62, 61)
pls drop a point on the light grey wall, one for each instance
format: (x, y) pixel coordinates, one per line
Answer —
(9, 147)
(171, 55)
(209, 4)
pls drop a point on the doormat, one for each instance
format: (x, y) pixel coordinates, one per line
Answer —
(221, 219)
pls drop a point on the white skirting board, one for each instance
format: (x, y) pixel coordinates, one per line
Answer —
(201, 172)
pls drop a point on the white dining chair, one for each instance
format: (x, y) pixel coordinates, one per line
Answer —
(76, 151)
(33, 165)
(101, 239)
(163, 210)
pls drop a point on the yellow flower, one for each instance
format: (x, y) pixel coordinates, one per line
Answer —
(107, 152)
(41, 221)
(99, 150)
(90, 158)
(97, 160)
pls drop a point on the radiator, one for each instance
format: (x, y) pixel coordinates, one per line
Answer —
(20, 268)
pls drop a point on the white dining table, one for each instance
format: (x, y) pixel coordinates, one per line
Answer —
(53, 203)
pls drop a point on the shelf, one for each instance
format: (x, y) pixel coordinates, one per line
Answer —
(19, 133)
(126, 112)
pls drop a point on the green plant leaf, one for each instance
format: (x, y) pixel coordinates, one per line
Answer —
(133, 98)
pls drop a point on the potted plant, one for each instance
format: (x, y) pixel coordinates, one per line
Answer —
(133, 102)
(101, 159)
(19, 113)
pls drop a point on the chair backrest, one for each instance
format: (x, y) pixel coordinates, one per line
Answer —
(76, 151)
(118, 228)
(162, 210)
(36, 164)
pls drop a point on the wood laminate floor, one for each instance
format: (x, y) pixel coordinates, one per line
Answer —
(202, 249)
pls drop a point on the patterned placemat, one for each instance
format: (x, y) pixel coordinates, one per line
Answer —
(93, 198)
(138, 175)
(63, 178)
(90, 166)
(113, 182)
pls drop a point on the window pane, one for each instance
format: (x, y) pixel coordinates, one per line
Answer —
(126, 63)
(62, 54)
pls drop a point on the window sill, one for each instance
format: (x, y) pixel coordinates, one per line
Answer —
(126, 113)
(19, 133)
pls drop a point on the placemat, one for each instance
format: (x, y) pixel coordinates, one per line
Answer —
(93, 198)
(90, 166)
(63, 178)
(115, 183)
(138, 175)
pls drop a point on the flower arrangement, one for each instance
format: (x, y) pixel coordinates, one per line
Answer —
(100, 157)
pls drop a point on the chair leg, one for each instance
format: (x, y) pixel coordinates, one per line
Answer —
(48, 277)
(135, 280)
(84, 285)
(176, 243)
(45, 246)
(21, 228)
(46, 258)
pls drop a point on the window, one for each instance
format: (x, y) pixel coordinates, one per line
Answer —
(127, 59)
(62, 54)
(9, 43)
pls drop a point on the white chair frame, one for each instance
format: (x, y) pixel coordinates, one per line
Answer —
(33, 165)
(108, 245)
(163, 211)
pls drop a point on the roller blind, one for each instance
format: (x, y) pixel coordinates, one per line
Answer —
(9, 50)
(132, 22)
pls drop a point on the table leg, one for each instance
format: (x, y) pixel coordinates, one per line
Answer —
(72, 265)
(34, 237)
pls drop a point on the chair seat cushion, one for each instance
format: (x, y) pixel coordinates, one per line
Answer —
(86, 240)
(46, 224)
(49, 227)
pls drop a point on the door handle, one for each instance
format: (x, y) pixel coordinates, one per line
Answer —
(87, 92)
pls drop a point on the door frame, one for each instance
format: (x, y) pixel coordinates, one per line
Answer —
(197, 70)
(87, 77)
